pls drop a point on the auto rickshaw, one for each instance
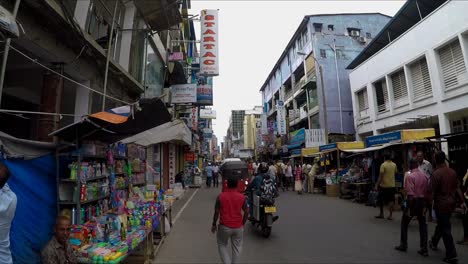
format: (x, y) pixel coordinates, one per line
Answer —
(235, 169)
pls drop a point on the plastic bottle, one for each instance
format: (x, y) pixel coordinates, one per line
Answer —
(83, 192)
(82, 215)
(98, 210)
(123, 234)
(129, 225)
(73, 216)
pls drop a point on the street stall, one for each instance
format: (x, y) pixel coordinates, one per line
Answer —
(333, 166)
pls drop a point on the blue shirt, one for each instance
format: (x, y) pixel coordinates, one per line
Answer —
(255, 184)
(209, 171)
(7, 212)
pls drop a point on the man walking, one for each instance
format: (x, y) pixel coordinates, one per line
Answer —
(445, 189)
(386, 186)
(209, 175)
(311, 176)
(232, 210)
(426, 167)
(7, 212)
(416, 187)
(216, 175)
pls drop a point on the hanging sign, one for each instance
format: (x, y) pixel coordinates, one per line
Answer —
(281, 118)
(193, 119)
(207, 113)
(204, 90)
(264, 123)
(176, 56)
(172, 165)
(189, 156)
(209, 64)
(183, 93)
(314, 138)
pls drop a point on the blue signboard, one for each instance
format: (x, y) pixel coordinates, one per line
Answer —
(297, 137)
(383, 138)
(327, 147)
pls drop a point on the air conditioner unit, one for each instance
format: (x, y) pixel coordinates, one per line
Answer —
(354, 33)
(362, 39)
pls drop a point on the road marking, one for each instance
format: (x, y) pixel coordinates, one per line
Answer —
(183, 207)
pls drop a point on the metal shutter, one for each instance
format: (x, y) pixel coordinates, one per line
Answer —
(453, 65)
(420, 79)
(363, 103)
(400, 91)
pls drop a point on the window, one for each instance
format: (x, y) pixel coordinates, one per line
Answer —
(318, 27)
(420, 79)
(368, 35)
(354, 32)
(340, 53)
(323, 53)
(331, 27)
(457, 126)
(453, 66)
(381, 95)
(400, 90)
(363, 103)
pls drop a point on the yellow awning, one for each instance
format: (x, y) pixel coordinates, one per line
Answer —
(306, 152)
(416, 134)
(350, 145)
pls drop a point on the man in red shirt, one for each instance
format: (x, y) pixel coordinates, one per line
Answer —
(445, 189)
(232, 210)
(416, 187)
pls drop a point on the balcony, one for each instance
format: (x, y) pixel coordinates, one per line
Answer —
(272, 110)
(298, 86)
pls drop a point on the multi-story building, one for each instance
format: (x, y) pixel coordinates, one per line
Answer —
(414, 73)
(77, 57)
(332, 42)
(251, 120)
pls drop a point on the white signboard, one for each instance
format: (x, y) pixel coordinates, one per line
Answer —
(207, 114)
(292, 114)
(263, 119)
(281, 118)
(172, 165)
(184, 93)
(314, 137)
(209, 63)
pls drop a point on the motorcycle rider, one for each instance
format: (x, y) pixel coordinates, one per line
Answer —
(255, 184)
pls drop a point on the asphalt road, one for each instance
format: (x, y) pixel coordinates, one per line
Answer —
(311, 229)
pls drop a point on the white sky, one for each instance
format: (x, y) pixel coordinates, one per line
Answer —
(252, 36)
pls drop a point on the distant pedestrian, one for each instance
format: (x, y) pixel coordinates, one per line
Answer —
(209, 175)
(272, 171)
(216, 175)
(298, 178)
(311, 176)
(179, 178)
(416, 189)
(232, 209)
(289, 175)
(445, 190)
(386, 186)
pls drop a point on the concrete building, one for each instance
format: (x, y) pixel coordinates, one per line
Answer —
(71, 38)
(251, 120)
(414, 73)
(331, 41)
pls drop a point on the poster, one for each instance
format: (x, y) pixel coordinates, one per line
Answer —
(204, 90)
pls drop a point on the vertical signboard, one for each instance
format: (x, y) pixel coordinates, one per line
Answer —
(264, 121)
(193, 119)
(281, 118)
(172, 165)
(157, 166)
(209, 64)
(204, 90)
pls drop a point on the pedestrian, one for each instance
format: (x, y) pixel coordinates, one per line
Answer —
(215, 175)
(386, 186)
(289, 175)
(272, 170)
(7, 212)
(179, 178)
(255, 168)
(232, 209)
(445, 191)
(280, 174)
(426, 167)
(464, 240)
(305, 176)
(298, 178)
(209, 174)
(416, 189)
(58, 250)
(311, 176)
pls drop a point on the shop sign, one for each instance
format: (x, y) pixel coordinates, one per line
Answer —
(264, 121)
(183, 93)
(207, 113)
(292, 115)
(189, 156)
(172, 165)
(176, 56)
(204, 90)
(297, 137)
(383, 138)
(327, 147)
(314, 137)
(193, 119)
(281, 118)
(209, 64)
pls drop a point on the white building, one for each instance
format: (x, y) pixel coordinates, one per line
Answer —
(414, 73)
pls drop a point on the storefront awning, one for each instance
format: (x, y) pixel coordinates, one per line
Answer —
(406, 135)
(175, 131)
(113, 125)
(343, 146)
(160, 15)
(386, 145)
(309, 152)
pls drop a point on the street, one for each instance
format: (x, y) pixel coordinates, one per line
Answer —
(311, 229)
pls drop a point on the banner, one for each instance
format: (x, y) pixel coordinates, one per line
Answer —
(176, 56)
(207, 114)
(172, 165)
(204, 90)
(314, 137)
(183, 93)
(281, 118)
(264, 121)
(193, 119)
(209, 64)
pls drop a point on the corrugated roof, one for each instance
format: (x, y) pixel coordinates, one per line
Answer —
(409, 15)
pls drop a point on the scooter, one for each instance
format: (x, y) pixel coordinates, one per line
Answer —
(263, 218)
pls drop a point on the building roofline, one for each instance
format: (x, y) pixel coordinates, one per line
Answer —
(303, 23)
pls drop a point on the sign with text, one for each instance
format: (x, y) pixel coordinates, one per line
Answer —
(176, 56)
(264, 121)
(204, 90)
(209, 63)
(207, 114)
(193, 119)
(314, 138)
(183, 93)
(172, 165)
(383, 138)
(281, 118)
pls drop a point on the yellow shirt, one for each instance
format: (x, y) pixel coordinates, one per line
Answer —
(388, 169)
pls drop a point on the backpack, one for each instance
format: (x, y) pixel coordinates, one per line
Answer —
(267, 189)
(279, 169)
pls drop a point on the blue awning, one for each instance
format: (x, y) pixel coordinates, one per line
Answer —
(294, 146)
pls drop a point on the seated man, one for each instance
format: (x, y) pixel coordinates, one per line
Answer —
(254, 186)
(58, 250)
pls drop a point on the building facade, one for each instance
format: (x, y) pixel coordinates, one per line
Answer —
(418, 78)
(251, 121)
(329, 41)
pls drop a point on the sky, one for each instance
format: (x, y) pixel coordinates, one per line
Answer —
(252, 36)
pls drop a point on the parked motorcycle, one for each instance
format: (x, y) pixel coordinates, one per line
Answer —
(263, 214)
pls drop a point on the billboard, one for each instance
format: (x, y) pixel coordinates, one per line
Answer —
(209, 63)
(183, 93)
(281, 118)
(204, 90)
(207, 114)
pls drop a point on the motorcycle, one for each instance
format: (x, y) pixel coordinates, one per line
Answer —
(263, 214)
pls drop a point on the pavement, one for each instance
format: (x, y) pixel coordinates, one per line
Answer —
(311, 229)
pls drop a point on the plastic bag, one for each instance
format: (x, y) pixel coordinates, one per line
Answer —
(167, 225)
